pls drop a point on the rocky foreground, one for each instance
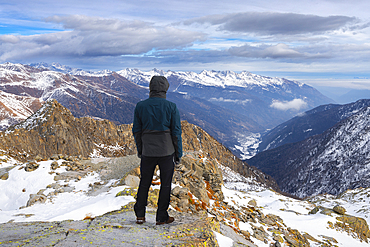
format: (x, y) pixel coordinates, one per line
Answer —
(207, 211)
(201, 209)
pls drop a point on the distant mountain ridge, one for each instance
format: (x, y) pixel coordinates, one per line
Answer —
(15, 108)
(68, 70)
(83, 95)
(265, 100)
(207, 78)
(331, 162)
(110, 96)
(226, 104)
(310, 123)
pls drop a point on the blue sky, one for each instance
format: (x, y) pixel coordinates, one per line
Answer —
(322, 43)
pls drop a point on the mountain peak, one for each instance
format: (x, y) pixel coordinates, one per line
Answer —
(69, 70)
(215, 78)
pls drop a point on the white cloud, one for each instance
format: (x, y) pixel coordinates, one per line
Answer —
(95, 37)
(273, 51)
(295, 104)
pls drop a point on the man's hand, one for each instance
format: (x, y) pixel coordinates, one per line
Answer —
(139, 155)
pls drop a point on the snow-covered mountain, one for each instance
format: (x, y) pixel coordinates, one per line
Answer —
(309, 123)
(332, 162)
(267, 101)
(264, 100)
(230, 106)
(111, 96)
(106, 96)
(68, 70)
(208, 78)
(15, 108)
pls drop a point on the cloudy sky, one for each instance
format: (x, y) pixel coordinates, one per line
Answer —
(322, 43)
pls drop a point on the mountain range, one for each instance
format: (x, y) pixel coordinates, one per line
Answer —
(264, 100)
(331, 162)
(309, 123)
(226, 104)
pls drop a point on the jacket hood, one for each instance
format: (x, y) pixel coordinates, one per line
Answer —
(158, 87)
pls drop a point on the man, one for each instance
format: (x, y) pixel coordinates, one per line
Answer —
(157, 132)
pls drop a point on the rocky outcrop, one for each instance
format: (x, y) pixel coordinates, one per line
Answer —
(355, 226)
(54, 130)
(196, 139)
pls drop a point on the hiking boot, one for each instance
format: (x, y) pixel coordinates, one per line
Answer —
(140, 220)
(169, 220)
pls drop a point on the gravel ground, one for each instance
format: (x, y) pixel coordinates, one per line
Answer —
(113, 229)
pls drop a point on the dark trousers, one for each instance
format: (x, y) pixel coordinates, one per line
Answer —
(147, 167)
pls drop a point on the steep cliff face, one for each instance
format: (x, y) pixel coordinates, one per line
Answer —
(310, 123)
(332, 162)
(54, 130)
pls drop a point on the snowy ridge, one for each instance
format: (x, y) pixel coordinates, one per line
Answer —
(235, 181)
(17, 74)
(68, 70)
(351, 139)
(70, 90)
(338, 160)
(207, 78)
(309, 123)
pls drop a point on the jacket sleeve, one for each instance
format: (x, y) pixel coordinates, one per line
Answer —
(176, 133)
(137, 131)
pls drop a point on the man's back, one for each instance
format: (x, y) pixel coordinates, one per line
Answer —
(157, 132)
(157, 126)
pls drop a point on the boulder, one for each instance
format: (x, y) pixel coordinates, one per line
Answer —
(252, 203)
(5, 176)
(54, 165)
(31, 166)
(354, 226)
(35, 198)
(339, 210)
(132, 181)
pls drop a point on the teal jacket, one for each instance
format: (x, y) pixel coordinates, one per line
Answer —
(157, 125)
